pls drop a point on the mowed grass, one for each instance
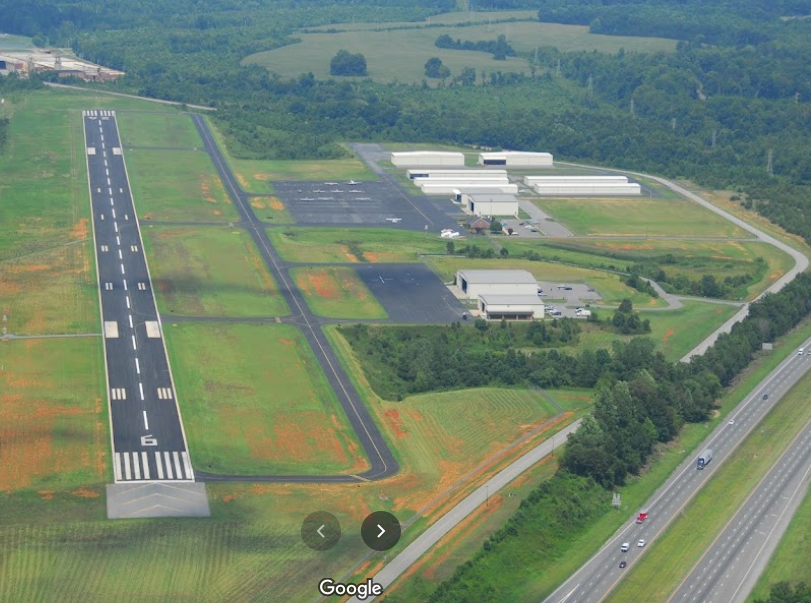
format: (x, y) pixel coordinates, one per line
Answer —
(210, 271)
(607, 284)
(672, 555)
(339, 245)
(398, 51)
(177, 186)
(337, 293)
(638, 216)
(53, 427)
(157, 129)
(255, 402)
(257, 176)
(675, 332)
(52, 291)
(271, 209)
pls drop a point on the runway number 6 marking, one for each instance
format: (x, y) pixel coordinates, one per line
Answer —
(148, 440)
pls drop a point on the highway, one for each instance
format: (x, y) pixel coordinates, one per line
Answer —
(148, 440)
(594, 580)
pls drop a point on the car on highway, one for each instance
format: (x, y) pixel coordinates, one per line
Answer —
(625, 546)
(732, 421)
(641, 543)
(801, 351)
(765, 396)
(623, 563)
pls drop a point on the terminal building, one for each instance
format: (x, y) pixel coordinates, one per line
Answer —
(517, 159)
(412, 159)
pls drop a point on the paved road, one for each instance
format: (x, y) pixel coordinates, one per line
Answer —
(729, 569)
(594, 580)
(143, 98)
(147, 432)
(548, 227)
(381, 460)
(411, 554)
(800, 261)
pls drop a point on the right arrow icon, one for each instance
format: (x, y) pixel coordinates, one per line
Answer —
(382, 531)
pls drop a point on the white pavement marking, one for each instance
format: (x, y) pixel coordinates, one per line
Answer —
(118, 466)
(112, 204)
(111, 329)
(130, 317)
(116, 226)
(128, 297)
(134, 248)
(136, 465)
(187, 465)
(110, 191)
(122, 267)
(120, 256)
(126, 217)
(127, 470)
(134, 347)
(104, 248)
(178, 472)
(145, 464)
(108, 181)
(159, 465)
(146, 422)
(102, 216)
(118, 393)
(142, 286)
(118, 241)
(168, 465)
(113, 210)
(108, 286)
(141, 389)
(138, 367)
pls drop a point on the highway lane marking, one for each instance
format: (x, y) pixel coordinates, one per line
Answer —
(134, 347)
(115, 224)
(141, 388)
(130, 317)
(122, 267)
(113, 210)
(138, 367)
(120, 256)
(128, 297)
(146, 422)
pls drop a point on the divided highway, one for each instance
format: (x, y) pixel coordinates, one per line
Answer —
(594, 580)
(148, 440)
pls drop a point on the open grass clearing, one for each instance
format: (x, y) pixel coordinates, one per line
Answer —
(314, 245)
(659, 572)
(210, 271)
(255, 401)
(638, 216)
(53, 427)
(337, 292)
(608, 285)
(398, 51)
(177, 185)
(272, 210)
(158, 129)
(257, 176)
(53, 291)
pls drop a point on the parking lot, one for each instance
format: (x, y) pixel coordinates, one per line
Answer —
(573, 296)
(368, 203)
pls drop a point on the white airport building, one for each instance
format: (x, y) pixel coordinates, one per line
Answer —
(411, 159)
(456, 189)
(517, 159)
(415, 173)
(474, 283)
(572, 186)
(510, 307)
(490, 204)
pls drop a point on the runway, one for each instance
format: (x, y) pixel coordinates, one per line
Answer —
(148, 441)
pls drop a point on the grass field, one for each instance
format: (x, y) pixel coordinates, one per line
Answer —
(638, 216)
(53, 427)
(257, 176)
(177, 185)
(272, 210)
(210, 271)
(608, 285)
(255, 401)
(337, 293)
(167, 129)
(398, 51)
(672, 555)
(359, 245)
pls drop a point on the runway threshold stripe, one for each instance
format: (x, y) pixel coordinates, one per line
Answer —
(136, 465)
(168, 462)
(127, 470)
(178, 472)
(159, 465)
(187, 465)
(145, 464)
(117, 466)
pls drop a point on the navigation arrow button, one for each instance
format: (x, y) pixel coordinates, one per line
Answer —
(382, 531)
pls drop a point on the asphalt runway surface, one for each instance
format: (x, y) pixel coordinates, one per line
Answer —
(147, 432)
(411, 293)
(598, 577)
(381, 460)
(369, 203)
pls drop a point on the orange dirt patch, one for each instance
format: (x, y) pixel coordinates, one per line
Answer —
(668, 334)
(287, 342)
(257, 203)
(276, 204)
(348, 254)
(261, 177)
(370, 256)
(323, 283)
(627, 246)
(396, 423)
(81, 230)
(243, 182)
(303, 436)
(382, 256)
(46, 494)
(85, 493)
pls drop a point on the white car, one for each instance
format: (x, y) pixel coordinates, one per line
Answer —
(640, 544)
(732, 421)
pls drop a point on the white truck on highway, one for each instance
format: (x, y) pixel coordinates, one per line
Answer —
(704, 458)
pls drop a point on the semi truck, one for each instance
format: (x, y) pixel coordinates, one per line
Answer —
(704, 458)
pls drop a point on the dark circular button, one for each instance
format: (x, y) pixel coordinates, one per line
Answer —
(320, 531)
(380, 531)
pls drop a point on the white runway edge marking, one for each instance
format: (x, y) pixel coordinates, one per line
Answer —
(141, 389)
(146, 422)
(117, 467)
(138, 367)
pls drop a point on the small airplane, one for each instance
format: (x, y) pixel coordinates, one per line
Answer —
(449, 234)
(394, 220)
(353, 183)
(307, 199)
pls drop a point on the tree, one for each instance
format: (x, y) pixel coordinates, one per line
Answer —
(346, 63)
(450, 248)
(504, 252)
(496, 227)
(434, 68)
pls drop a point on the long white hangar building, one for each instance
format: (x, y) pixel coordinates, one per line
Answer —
(507, 294)
(414, 159)
(517, 159)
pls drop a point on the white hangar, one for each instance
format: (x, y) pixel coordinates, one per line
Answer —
(511, 307)
(490, 204)
(517, 159)
(408, 159)
(474, 283)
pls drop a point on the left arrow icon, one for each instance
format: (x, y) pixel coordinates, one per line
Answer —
(318, 531)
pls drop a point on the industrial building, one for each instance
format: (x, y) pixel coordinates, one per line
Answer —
(490, 204)
(38, 60)
(408, 159)
(474, 283)
(510, 307)
(517, 159)
(455, 189)
(416, 173)
(571, 186)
